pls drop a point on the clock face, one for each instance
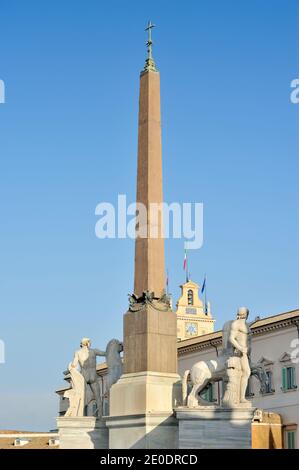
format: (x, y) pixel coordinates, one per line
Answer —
(191, 328)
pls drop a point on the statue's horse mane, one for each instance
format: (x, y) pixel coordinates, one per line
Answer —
(114, 362)
(113, 342)
(112, 351)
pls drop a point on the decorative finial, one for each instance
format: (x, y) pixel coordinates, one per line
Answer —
(149, 63)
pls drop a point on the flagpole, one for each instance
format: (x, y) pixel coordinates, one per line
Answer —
(204, 290)
(205, 293)
(167, 282)
(187, 267)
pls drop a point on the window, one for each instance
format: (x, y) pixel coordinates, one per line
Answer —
(190, 297)
(290, 439)
(249, 393)
(288, 378)
(106, 407)
(269, 388)
(208, 393)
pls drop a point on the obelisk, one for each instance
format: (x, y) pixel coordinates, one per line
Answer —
(149, 251)
(142, 401)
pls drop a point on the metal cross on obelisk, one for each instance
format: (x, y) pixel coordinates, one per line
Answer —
(149, 63)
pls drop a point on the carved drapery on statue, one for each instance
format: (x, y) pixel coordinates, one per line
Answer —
(79, 394)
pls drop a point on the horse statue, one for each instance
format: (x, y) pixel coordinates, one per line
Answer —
(114, 368)
(205, 372)
(114, 362)
(233, 366)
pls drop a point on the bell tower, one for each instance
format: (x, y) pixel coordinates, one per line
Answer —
(193, 317)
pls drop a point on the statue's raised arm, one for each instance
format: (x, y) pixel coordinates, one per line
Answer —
(98, 352)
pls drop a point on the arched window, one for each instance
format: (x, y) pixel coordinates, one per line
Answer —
(190, 297)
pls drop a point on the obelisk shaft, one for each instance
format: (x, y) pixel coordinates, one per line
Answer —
(150, 326)
(149, 251)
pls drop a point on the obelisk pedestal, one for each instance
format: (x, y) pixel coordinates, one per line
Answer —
(141, 415)
(142, 401)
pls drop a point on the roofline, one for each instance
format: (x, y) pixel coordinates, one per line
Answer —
(262, 326)
(18, 434)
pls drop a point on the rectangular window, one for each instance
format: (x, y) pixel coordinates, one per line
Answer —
(291, 377)
(269, 384)
(291, 439)
(211, 393)
(288, 378)
(208, 393)
(249, 392)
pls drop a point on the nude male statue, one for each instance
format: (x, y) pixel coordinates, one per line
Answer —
(86, 358)
(237, 343)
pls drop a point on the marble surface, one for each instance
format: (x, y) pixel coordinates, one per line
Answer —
(141, 411)
(85, 432)
(211, 427)
(143, 431)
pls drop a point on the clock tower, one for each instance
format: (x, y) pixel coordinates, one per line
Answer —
(193, 317)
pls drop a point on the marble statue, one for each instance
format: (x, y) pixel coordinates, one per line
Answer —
(85, 387)
(114, 370)
(84, 383)
(76, 394)
(236, 344)
(232, 366)
(114, 362)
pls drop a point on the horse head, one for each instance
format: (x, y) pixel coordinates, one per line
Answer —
(113, 349)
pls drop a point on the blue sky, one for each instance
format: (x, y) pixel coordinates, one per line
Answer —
(68, 140)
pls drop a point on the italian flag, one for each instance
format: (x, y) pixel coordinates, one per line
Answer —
(185, 260)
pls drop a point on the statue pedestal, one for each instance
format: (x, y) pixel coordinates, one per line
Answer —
(141, 411)
(86, 432)
(212, 427)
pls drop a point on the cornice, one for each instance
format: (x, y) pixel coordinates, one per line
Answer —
(182, 317)
(289, 322)
(199, 346)
(256, 331)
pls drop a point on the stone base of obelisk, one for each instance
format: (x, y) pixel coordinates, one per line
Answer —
(213, 427)
(141, 411)
(86, 432)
